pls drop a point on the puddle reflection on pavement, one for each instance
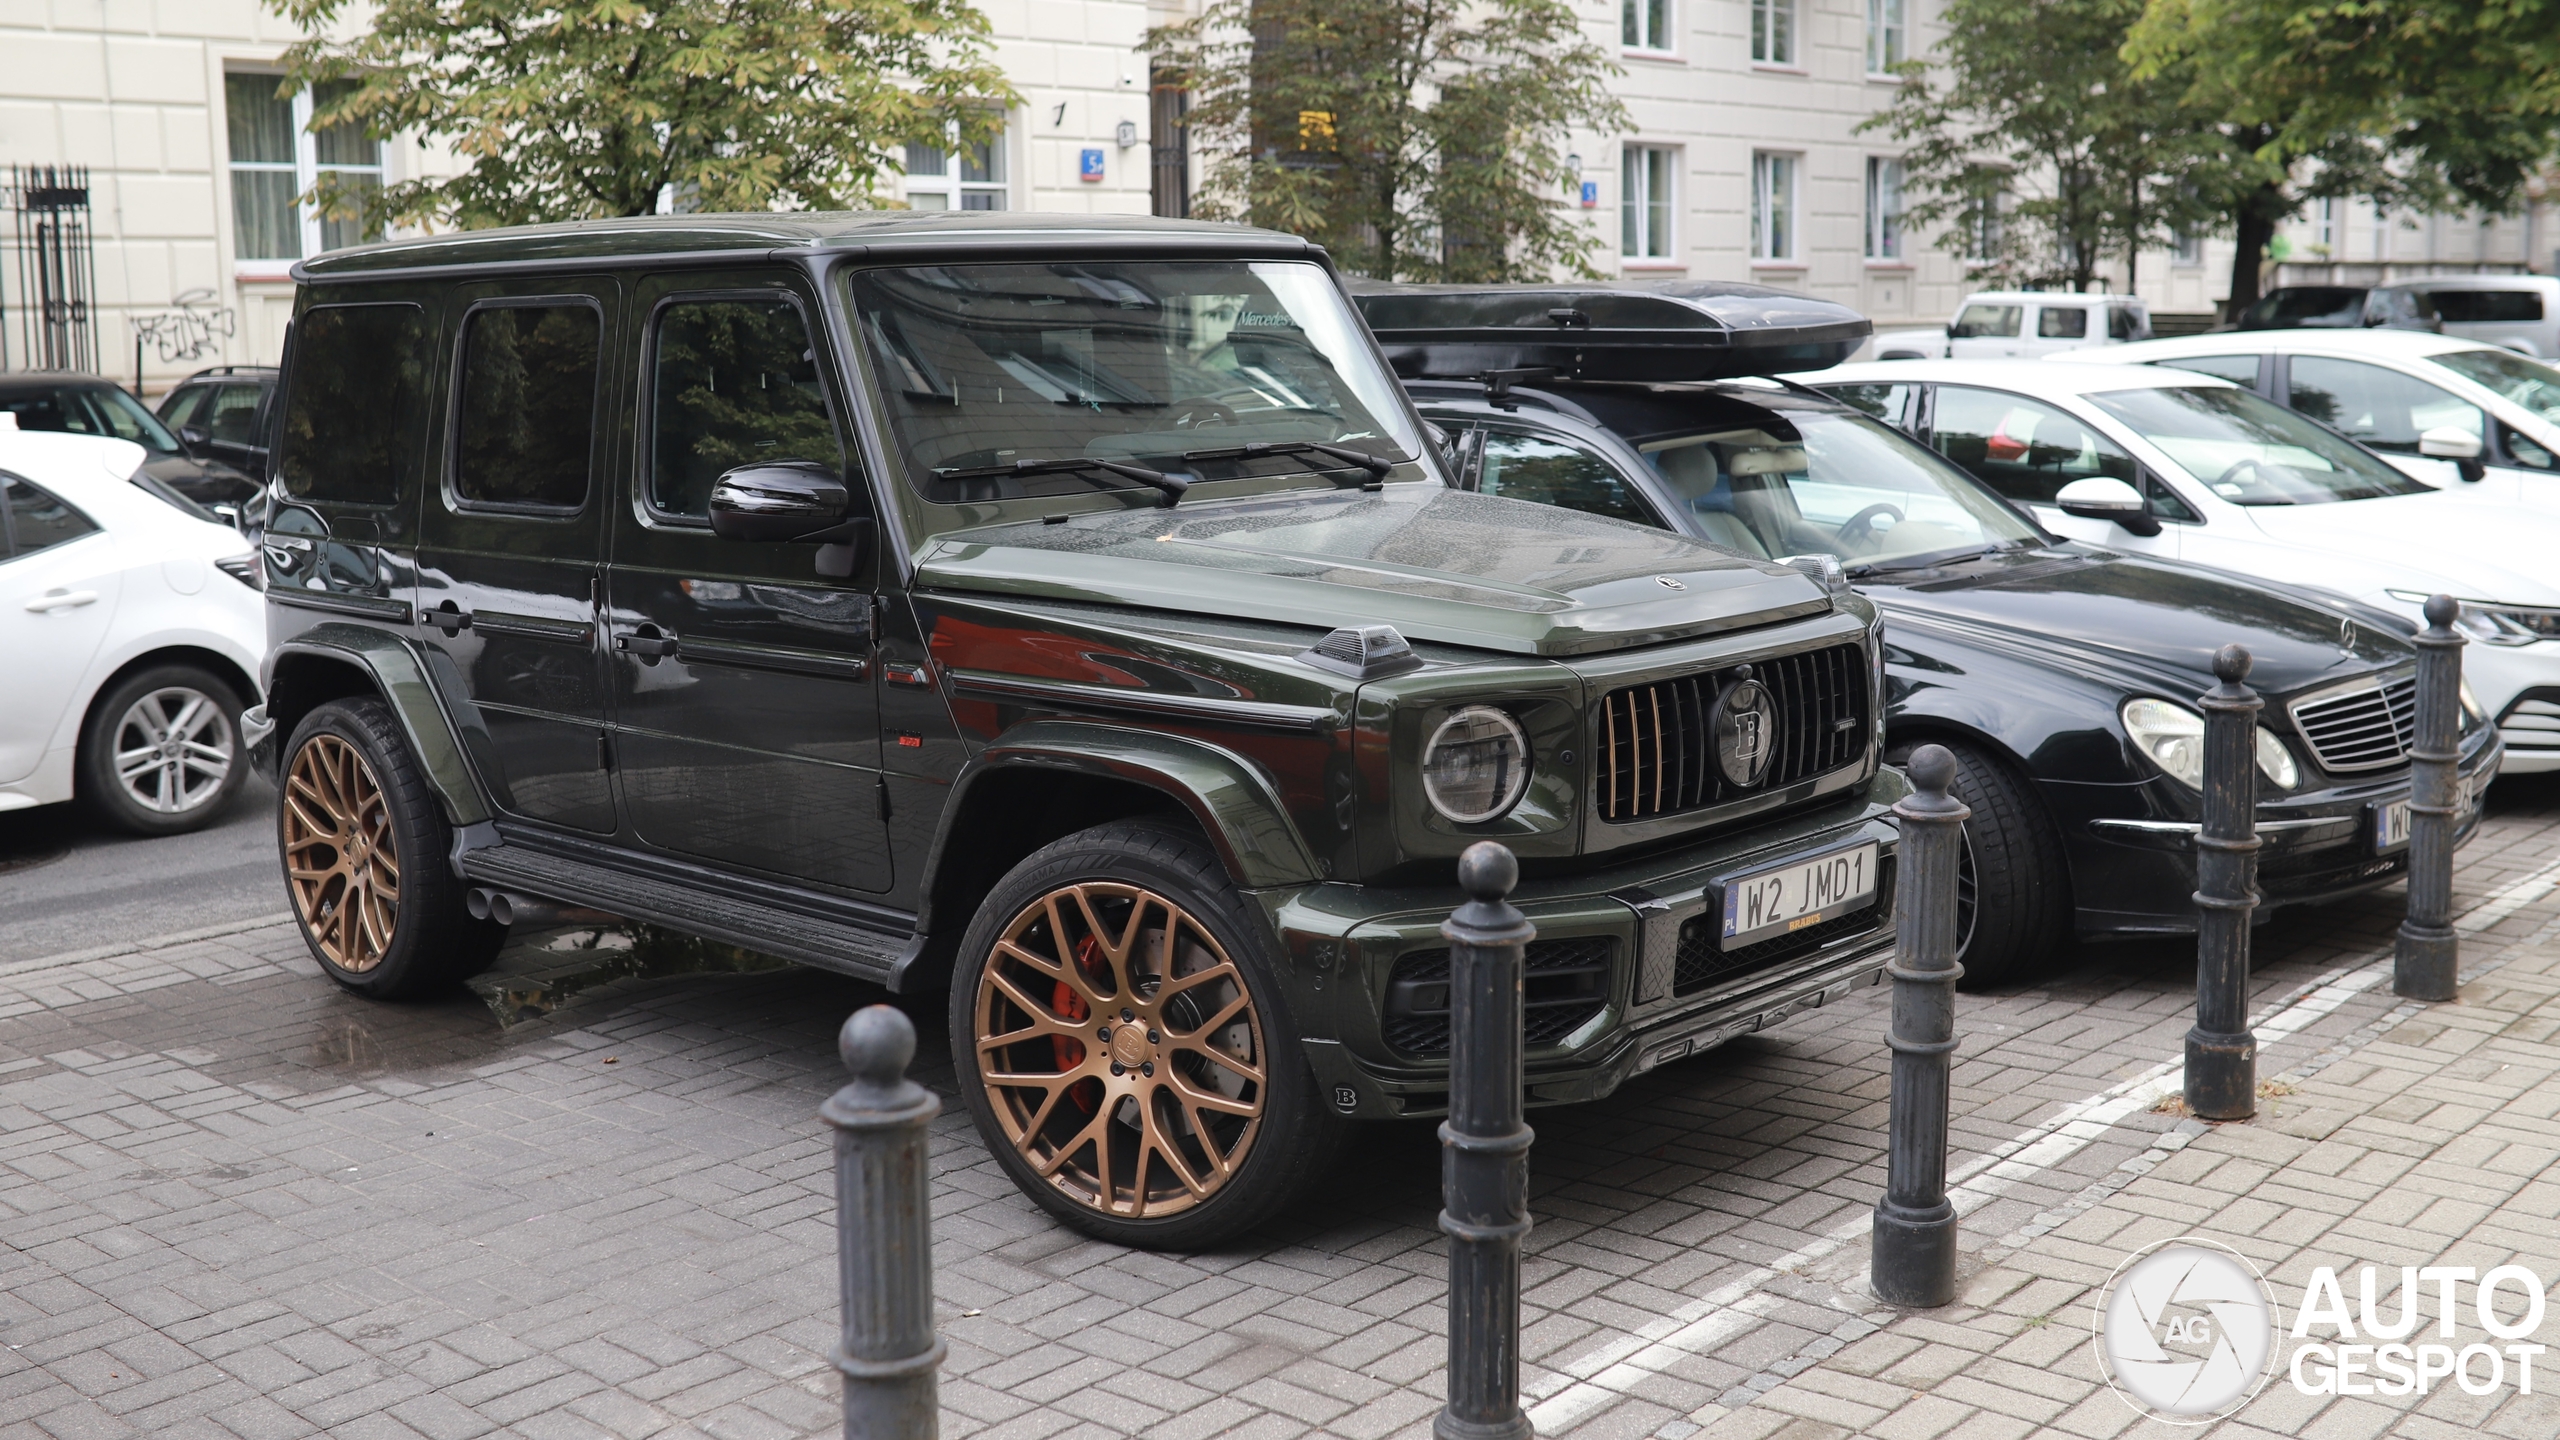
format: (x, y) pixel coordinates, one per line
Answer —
(573, 952)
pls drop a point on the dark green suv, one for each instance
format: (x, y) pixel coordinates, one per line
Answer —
(1072, 615)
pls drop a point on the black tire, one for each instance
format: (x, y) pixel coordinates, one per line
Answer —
(170, 787)
(423, 940)
(1286, 1148)
(2013, 886)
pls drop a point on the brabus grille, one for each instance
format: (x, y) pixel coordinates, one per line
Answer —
(1657, 758)
(2361, 729)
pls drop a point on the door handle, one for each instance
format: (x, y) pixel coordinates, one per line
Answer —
(449, 618)
(53, 600)
(647, 643)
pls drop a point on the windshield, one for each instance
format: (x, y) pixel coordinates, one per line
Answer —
(1141, 364)
(91, 409)
(2252, 452)
(1807, 482)
(2528, 383)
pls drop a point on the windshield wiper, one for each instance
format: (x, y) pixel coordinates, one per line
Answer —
(1930, 560)
(1374, 464)
(1173, 486)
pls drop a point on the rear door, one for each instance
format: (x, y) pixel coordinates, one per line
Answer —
(747, 729)
(59, 582)
(510, 570)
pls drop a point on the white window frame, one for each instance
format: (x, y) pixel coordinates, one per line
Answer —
(2325, 226)
(1771, 22)
(1637, 183)
(1777, 208)
(306, 170)
(950, 187)
(1886, 233)
(1632, 18)
(1888, 37)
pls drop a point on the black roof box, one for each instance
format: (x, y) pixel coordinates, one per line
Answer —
(1638, 330)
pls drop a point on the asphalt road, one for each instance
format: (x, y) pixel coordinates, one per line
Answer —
(68, 884)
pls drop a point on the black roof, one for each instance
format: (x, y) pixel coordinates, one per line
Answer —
(1608, 330)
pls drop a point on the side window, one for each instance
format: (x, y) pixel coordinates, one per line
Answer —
(2238, 369)
(2123, 323)
(2524, 450)
(2053, 322)
(1552, 472)
(2382, 408)
(730, 381)
(525, 432)
(2163, 502)
(2025, 449)
(185, 404)
(355, 404)
(1984, 322)
(1888, 403)
(234, 416)
(32, 519)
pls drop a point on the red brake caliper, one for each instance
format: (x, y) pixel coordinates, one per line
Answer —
(1070, 1006)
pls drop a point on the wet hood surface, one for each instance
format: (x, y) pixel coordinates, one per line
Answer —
(2136, 618)
(1437, 564)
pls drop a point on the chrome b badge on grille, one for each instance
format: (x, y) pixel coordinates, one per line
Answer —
(1745, 729)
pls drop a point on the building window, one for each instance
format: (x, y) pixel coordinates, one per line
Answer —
(1885, 35)
(276, 159)
(2186, 248)
(2327, 228)
(969, 178)
(1773, 32)
(1986, 225)
(1773, 206)
(1644, 202)
(1645, 24)
(1884, 208)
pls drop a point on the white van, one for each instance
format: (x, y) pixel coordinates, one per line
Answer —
(2006, 324)
(2521, 312)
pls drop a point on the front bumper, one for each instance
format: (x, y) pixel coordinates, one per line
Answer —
(1343, 943)
(2135, 874)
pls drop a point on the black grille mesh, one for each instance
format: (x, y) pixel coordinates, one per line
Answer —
(1697, 963)
(1568, 983)
(1656, 756)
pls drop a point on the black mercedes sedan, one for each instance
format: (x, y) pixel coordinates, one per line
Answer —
(2064, 676)
(89, 405)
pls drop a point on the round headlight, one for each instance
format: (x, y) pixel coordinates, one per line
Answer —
(2173, 736)
(1476, 766)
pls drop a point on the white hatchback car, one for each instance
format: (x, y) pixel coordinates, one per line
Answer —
(2446, 409)
(2162, 461)
(132, 625)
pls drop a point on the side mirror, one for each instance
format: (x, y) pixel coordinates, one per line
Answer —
(195, 438)
(2447, 442)
(1950, 328)
(2102, 497)
(792, 501)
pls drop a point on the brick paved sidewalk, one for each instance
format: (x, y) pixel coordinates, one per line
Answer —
(236, 1202)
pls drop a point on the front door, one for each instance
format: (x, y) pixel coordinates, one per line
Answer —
(509, 577)
(2028, 450)
(747, 729)
(60, 578)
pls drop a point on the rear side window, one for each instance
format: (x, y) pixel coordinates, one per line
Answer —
(2238, 369)
(2025, 449)
(2487, 307)
(731, 382)
(355, 406)
(2053, 323)
(1982, 322)
(2126, 323)
(33, 518)
(526, 430)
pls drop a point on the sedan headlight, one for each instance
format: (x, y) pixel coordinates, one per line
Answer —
(2173, 737)
(2471, 702)
(1476, 766)
(2498, 624)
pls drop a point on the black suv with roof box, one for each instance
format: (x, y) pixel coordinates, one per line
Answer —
(1070, 617)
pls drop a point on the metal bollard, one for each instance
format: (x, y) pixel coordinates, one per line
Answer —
(1914, 1257)
(1484, 1157)
(884, 1241)
(2429, 953)
(2222, 1054)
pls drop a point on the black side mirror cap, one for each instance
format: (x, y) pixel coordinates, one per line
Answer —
(195, 438)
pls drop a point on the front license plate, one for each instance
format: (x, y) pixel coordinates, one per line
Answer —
(2391, 826)
(1787, 898)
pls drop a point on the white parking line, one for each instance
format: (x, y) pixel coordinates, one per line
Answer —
(1583, 1384)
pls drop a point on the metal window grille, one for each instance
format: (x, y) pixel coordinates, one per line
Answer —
(55, 267)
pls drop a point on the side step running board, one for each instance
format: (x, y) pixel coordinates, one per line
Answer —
(851, 950)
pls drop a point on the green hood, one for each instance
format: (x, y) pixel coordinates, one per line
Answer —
(1437, 564)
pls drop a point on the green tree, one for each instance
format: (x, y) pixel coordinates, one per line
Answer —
(2414, 102)
(2027, 109)
(587, 109)
(1414, 139)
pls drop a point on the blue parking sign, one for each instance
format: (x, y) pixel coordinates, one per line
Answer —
(1590, 194)
(1089, 165)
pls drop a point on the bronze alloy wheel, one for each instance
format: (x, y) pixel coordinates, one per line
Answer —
(1120, 1050)
(340, 859)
